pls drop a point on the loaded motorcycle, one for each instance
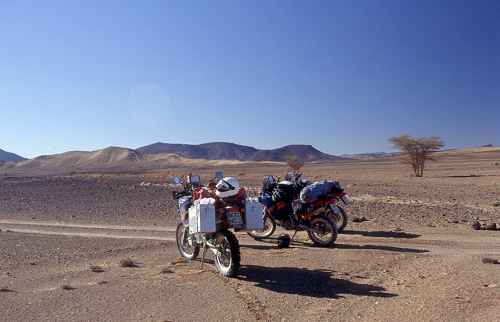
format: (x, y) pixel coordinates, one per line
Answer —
(191, 238)
(337, 213)
(207, 214)
(282, 207)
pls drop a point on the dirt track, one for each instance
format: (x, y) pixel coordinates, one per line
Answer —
(431, 273)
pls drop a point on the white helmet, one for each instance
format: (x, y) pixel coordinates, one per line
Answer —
(227, 187)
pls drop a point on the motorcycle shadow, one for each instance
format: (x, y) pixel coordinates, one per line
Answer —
(382, 234)
(271, 244)
(308, 282)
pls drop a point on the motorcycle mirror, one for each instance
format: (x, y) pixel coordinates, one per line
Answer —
(219, 175)
(175, 180)
(194, 179)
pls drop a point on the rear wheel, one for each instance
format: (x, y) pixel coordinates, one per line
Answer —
(227, 253)
(185, 244)
(323, 231)
(340, 219)
(269, 228)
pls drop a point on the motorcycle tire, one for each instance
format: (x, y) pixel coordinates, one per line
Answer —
(324, 222)
(268, 231)
(341, 222)
(185, 252)
(228, 264)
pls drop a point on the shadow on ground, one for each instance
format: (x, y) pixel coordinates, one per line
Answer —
(271, 244)
(382, 234)
(470, 176)
(383, 247)
(306, 282)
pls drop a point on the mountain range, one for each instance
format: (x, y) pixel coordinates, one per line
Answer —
(159, 156)
(231, 151)
(9, 156)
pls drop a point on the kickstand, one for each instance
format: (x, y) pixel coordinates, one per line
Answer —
(203, 254)
(295, 233)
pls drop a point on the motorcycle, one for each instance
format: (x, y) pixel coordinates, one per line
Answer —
(282, 208)
(337, 213)
(222, 242)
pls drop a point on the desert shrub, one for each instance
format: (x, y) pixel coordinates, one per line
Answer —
(416, 151)
(128, 262)
(294, 163)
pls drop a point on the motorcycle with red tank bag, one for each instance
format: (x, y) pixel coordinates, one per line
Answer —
(206, 216)
(296, 204)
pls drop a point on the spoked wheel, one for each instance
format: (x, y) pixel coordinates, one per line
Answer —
(269, 228)
(340, 219)
(227, 253)
(323, 231)
(185, 244)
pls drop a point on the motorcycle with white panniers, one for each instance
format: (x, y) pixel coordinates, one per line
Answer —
(207, 216)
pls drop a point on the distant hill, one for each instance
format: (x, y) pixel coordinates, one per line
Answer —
(369, 156)
(231, 151)
(109, 158)
(114, 159)
(9, 156)
(158, 156)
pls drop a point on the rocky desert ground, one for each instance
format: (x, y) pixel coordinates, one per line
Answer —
(65, 241)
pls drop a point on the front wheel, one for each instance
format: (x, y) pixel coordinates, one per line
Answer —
(227, 253)
(185, 244)
(322, 231)
(269, 228)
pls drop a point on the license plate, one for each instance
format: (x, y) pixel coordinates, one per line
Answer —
(235, 220)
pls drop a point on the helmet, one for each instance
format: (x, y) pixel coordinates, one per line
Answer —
(227, 187)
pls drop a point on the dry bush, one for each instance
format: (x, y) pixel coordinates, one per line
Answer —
(128, 262)
(294, 163)
(416, 151)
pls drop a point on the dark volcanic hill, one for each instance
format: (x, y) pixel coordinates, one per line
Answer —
(8, 156)
(231, 151)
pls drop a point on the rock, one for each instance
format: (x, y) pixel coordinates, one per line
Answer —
(359, 219)
(487, 260)
(476, 225)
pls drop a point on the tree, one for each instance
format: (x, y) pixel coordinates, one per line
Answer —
(415, 151)
(294, 163)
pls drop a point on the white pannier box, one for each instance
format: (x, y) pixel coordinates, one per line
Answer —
(202, 216)
(254, 212)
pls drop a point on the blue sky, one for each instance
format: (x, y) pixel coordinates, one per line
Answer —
(341, 75)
